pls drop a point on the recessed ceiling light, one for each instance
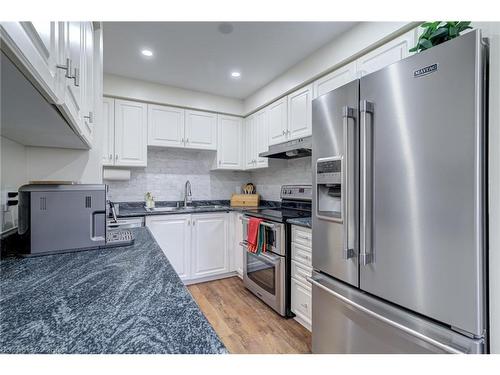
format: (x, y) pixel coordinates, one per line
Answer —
(147, 52)
(235, 74)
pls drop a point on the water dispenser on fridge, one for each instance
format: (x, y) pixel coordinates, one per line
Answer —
(329, 188)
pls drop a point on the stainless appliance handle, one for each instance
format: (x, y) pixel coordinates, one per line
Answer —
(347, 113)
(366, 251)
(274, 259)
(392, 323)
(262, 223)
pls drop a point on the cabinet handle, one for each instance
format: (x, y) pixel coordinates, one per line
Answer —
(116, 157)
(220, 162)
(76, 77)
(304, 305)
(110, 157)
(189, 222)
(284, 132)
(187, 140)
(288, 131)
(66, 67)
(182, 140)
(90, 117)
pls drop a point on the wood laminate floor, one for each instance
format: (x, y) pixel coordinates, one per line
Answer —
(244, 323)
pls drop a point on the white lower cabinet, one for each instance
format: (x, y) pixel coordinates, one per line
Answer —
(301, 300)
(237, 252)
(196, 245)
(209, 245)
(173, 235)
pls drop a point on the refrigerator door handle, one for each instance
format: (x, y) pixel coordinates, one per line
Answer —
(366, 251)
(347, 113)
(388, 321)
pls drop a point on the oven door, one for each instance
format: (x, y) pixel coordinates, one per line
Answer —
(275, 235)
(264, 275)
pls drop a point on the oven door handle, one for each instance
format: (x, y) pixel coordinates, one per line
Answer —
(266, 224)
(274, 259)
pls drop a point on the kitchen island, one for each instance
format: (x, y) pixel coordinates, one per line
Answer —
(119, 300)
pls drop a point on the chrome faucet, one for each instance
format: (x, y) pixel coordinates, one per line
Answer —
(187, 193)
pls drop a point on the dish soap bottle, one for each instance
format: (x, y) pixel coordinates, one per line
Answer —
(150, 202)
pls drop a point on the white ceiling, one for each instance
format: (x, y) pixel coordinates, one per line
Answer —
(197, 56)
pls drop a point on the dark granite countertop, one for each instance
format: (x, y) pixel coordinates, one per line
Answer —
(134, 209)
(302, 221)
(118, 300)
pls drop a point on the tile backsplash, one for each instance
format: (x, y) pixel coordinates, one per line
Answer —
(281, 172)
(168, 170)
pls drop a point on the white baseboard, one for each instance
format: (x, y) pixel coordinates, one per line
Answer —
(302, 322)
(210, 278)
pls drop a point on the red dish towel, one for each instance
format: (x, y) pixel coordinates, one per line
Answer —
(253, 233)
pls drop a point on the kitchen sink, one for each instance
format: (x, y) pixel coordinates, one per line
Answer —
(163, 209)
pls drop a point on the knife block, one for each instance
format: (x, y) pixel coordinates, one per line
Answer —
(245, 200)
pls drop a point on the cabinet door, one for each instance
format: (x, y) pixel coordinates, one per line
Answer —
(229, 142)
(299, 113)
(209, 245)
(277, 121)
(173, 235)
(130, 133)
(335, 79)
(300, 302)
(108, 133)
(165, 126)
(87, 80)
(201, 130)
(249, 142)
(36, 46)
(73, 48)
(391, 52)
(261, 138)
(238, 250)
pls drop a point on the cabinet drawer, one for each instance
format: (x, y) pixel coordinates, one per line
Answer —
(301, 254)
(301, 301)
(300, 272)
(302, 236)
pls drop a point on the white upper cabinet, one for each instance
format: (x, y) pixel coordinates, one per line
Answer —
(74, 48)
(335, 79)
(277, 121)
(88, 78)
(108, 135)
(130, 133)
(201, 130)
(229, 142)
(165, 126)
(299, 113)
(256, 140)
(261, 142)
(249, 142)
(210, 245)
(36, 45)
(395, 50)
(173, 235)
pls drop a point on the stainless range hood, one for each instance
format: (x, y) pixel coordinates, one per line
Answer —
(298, 148)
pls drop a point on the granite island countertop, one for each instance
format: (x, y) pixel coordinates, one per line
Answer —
(119, 300)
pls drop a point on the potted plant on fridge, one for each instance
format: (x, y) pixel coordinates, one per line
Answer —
(438, 32)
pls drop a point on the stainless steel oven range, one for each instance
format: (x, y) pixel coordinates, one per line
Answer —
(267, 275)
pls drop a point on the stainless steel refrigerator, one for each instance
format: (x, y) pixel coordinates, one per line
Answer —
(399, 207)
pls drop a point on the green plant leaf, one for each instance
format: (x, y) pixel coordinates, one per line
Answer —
(425, 44)
(453, 32)
(439, 33)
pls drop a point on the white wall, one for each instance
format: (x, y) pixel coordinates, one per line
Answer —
(492, 31)
(134, 89)
(13, 175)
(345, 48)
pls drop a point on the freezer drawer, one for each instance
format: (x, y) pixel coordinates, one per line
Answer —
(345, 320)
